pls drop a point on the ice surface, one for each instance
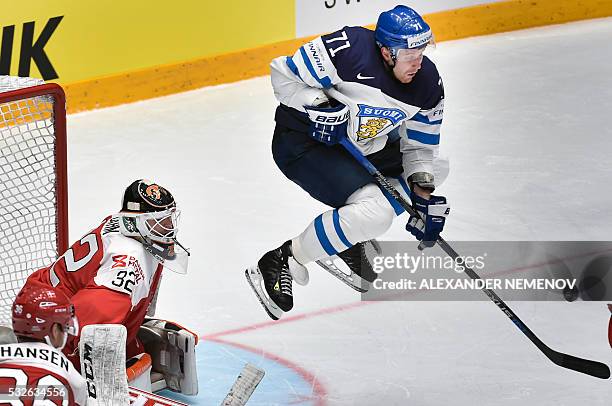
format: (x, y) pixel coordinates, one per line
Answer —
(527, 129)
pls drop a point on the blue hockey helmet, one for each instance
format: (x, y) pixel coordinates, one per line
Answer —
(402, 28)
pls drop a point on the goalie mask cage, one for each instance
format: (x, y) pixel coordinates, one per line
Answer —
(33, 185)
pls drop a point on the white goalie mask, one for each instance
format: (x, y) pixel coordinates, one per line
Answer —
(157, 231)
(148, 213)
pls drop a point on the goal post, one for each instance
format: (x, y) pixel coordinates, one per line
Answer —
(33, 182)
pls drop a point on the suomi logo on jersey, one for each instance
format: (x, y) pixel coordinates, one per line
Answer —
(374, 120)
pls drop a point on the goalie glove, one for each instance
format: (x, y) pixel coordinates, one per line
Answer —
(172, 349)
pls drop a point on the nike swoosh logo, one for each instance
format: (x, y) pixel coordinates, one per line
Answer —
(361, 77)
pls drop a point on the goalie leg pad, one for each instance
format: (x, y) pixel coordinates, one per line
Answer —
(102, 352)
(172, 349)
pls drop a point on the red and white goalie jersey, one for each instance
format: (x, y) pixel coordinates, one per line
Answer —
(32, 372)
(110, 278)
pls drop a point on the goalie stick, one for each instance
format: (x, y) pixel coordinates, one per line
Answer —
(585, 366)
(244, 386)
(239, 394)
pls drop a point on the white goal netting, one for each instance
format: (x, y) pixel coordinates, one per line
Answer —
(29, 191)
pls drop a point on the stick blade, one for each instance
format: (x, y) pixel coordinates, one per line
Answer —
(244, 386)
(585, 366)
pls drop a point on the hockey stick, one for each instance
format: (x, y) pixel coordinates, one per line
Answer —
(593, 368)
(245, 385)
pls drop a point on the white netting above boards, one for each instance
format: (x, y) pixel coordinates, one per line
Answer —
(32, 181)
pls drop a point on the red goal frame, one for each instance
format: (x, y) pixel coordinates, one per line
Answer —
(59, 125)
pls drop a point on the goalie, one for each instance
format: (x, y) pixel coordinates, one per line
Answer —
(112, 275)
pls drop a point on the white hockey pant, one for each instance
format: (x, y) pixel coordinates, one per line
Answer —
(366, 215)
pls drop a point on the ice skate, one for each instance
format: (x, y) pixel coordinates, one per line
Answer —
(272, 282)
(352, 266)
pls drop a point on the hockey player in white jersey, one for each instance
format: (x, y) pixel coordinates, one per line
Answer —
(35, 368)
(377, 89)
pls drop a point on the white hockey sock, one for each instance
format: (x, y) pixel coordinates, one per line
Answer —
(367, 214)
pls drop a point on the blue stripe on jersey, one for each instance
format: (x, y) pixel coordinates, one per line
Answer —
(345, 241)
(424, 138)
(292, 66)
(424, 119)
(320, 230)
(394, 203)
(325, 81)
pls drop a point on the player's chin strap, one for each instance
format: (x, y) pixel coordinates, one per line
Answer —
(71, 329)
(61, 347)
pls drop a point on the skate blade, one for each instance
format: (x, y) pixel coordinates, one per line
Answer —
(253, 276)
(353, 280)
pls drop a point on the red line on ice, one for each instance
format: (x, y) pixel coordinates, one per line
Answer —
(283, 320)
(318, 390)
(352, 305)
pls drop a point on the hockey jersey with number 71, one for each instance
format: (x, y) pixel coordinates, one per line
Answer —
(347, 65)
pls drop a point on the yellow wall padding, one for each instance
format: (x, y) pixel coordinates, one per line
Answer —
(174, 78)
(100, 38)
(513, 15)
(230, 67)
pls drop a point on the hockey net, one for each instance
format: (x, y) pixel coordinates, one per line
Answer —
(33, 186)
